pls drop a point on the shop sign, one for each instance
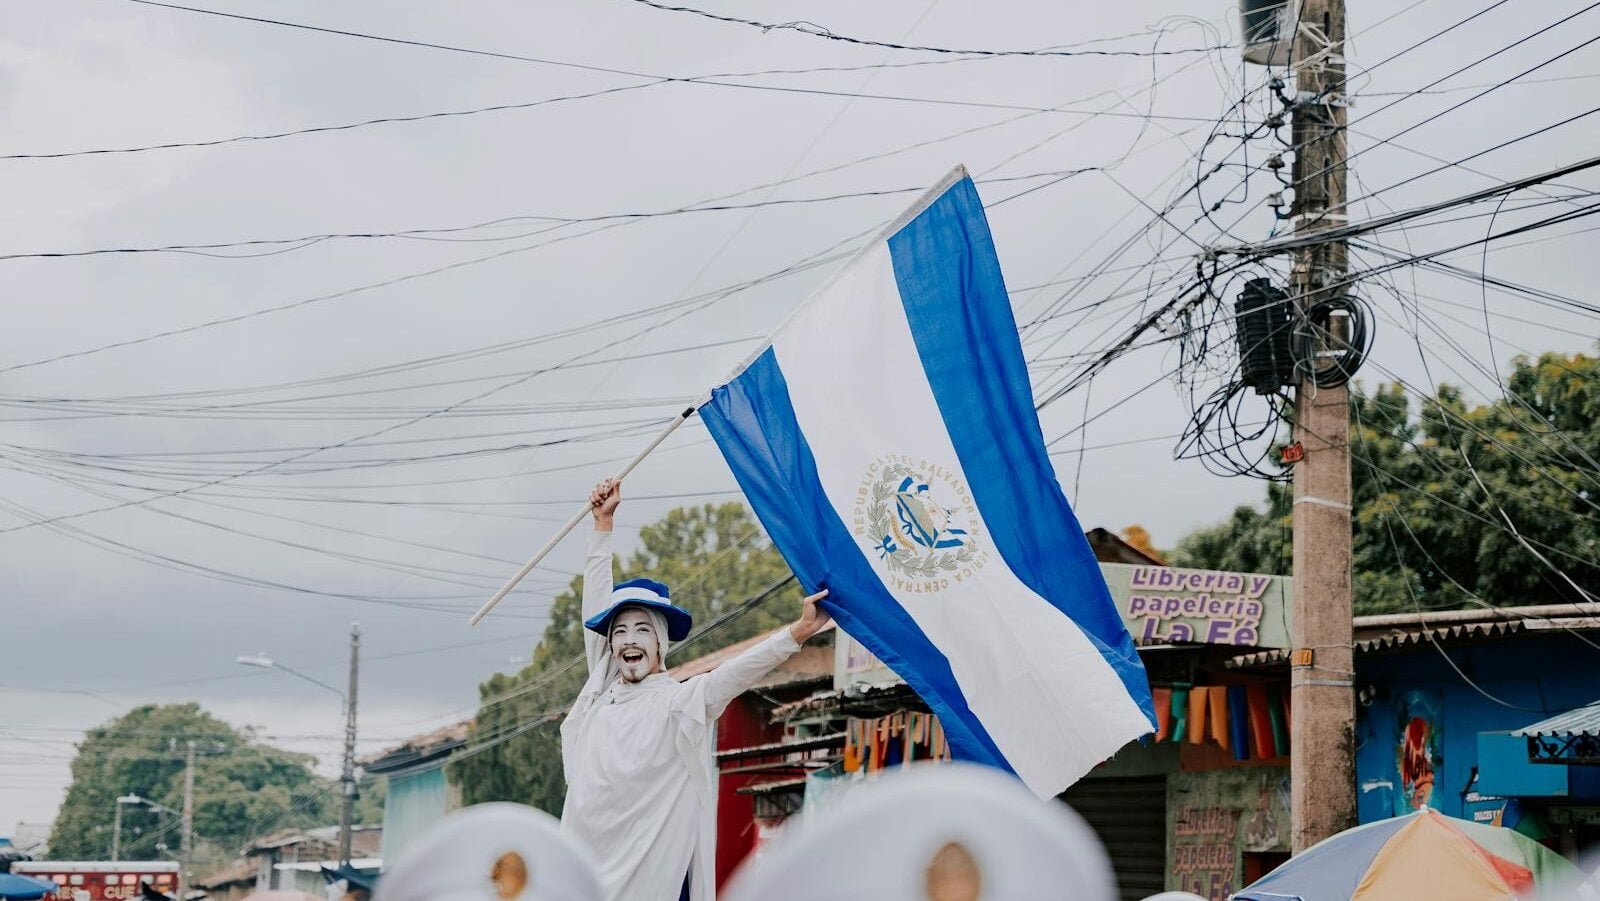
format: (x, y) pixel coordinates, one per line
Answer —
(1168, 605)
(1491, 810)
(1224, 815)
(854, 665)
(1159, 604)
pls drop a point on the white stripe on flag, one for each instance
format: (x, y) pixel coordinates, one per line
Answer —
(1050, 701)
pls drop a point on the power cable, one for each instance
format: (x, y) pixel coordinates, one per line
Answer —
(426, 273)
(304, 241)
(817, 31)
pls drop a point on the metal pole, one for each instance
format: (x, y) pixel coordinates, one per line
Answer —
(186, 848)
(573, 522)
(348, 777)
(1322, 692)
(116, 833)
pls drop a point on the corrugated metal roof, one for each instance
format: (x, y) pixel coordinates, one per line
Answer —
(1580, 721)
(1375, 634)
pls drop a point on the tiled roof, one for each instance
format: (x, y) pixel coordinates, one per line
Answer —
(797, 668)
(242, 870)
(419, 749)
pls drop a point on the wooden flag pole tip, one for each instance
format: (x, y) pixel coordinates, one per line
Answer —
(576, 519)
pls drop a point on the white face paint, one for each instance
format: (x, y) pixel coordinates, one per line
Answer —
(635, 645)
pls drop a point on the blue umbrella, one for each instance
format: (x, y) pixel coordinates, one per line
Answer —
(23, 888)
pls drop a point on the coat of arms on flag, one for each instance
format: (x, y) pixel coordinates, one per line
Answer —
(920, 531)
(887, 439)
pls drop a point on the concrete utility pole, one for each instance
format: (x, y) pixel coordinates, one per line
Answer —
(116, 833)
(186, 848)
(1322, 691)
(348, 777)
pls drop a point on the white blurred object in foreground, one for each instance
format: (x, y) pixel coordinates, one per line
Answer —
(950, 832)
(492, 852)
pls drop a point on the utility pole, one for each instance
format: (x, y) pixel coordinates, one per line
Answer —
(186, 848)
(1322, 691)
(116, 833)
(348, 777)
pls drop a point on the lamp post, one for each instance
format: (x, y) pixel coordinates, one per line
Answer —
(116, 827)
(347, 776)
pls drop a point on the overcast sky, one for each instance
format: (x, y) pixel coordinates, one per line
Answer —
(397, 499)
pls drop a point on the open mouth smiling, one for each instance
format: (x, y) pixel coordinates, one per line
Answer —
(633, 655)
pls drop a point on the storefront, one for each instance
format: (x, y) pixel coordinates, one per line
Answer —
(1438, 726)
(1441, 698)
(1204, 807)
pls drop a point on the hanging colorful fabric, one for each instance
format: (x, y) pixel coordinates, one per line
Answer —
(1163, 702)
(1280, 719)
(1260, 722)
(1198, 705)
(852, 753)
(1239, 722)
(1218, 698)
(1180, 714)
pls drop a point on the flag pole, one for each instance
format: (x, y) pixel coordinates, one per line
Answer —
(572, 523)
(955, 175)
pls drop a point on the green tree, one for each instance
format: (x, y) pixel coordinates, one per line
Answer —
(242, 788)
(1432, 490)
(713, 557)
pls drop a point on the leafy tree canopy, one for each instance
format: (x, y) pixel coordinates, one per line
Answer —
(712, 557)
(1442, 492)
(242, 788)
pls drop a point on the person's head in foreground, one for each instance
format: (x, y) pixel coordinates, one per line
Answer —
(492, 852)
(931, 832)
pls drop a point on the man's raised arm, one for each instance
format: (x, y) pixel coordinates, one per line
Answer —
(597, 568)
(733, 678)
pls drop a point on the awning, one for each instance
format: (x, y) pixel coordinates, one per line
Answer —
(317, 866)
(1566, 738)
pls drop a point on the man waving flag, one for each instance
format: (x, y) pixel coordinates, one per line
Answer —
(887, 439)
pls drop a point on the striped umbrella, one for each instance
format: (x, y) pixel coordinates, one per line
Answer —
(1420, 855)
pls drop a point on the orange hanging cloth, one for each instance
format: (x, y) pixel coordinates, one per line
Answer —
(1217, 695)
(1199, 702)
(1162, 697)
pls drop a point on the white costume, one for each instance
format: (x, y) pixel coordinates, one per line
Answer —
(641, 779)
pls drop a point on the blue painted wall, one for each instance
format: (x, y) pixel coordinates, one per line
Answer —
(1549, 675)
(415, 803)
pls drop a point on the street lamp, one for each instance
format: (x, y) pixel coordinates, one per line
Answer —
(116, 827)
(264, 662)
(348, 776)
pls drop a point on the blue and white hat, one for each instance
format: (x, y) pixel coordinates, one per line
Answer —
(651, 595)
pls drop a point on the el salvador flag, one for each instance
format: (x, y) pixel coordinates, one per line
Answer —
(888, 441)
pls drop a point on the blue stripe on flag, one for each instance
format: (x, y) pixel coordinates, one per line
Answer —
(960, 316)
(754, 424)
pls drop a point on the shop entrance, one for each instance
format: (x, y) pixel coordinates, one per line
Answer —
(1130, 816)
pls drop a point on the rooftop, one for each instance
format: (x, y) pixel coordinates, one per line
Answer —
(1583, 720)
(1394, 631)
(419, 749)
